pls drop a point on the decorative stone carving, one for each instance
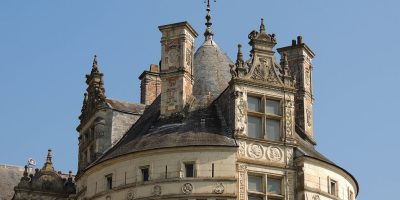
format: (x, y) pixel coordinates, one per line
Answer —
(157, 190)
(274, 154)
(242, 148)
(242, 181)
(258, 73)
(255, 151)
(130, 195)
(272, 76)
(289, 117)
(219, 188)
(187, 188)
(289, 155)
(309, 118)
(189, 57)
(315, 197)
(241, 113)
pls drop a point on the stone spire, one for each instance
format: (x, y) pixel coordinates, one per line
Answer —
(95, 97)
(262, 26)
(48, 165)
(208, 34)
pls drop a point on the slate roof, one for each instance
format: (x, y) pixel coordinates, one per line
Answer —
(202, 127)
(125, 106)
(210, 71)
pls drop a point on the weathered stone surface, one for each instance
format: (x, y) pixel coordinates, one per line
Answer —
(9, 178)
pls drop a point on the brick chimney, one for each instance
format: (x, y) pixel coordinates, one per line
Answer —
(177, 49)
(150, 85)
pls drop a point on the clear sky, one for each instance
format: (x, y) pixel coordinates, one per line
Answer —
(46, 48)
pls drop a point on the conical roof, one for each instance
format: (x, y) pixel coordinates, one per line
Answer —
(210, 71)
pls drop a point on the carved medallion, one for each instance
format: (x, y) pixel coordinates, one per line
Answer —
(242, 148)
(130, 195)
(255, 151)
(274, 154)
(157, 190)
(187, 188)
(219, 188)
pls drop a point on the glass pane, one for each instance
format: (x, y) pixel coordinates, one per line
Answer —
(274, 186)
(273, 129)
(254, 127)
(253, 104)
(272, 107)
(189, 170)
(255, 183)
(254, 198)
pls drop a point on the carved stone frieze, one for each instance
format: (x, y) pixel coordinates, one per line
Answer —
(289, 156)
(255, 151)
(274, 154)
(258, 73)
(187, 188)
(219, 188)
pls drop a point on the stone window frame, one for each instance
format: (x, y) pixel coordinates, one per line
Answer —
(350, 194)
(264, 194)
(182, 173)
(109, 181)
(333, 191)
(141, 168)
(265, 116)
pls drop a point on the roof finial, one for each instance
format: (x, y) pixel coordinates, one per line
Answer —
(262, 26)
(208, 34)
(94, 66)
(48, 165)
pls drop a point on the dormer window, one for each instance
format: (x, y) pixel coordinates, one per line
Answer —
(264, 118)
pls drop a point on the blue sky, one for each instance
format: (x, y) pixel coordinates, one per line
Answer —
(46, 48)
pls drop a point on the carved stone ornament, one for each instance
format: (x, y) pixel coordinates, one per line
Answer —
(255, 151)
(274, 154)
(241, 113)
(157, 190)
(242, 148)
(289, 155)
(242, 181)
(188, 57)
(315, 197)
(187, 188)
(130, 195)
(309, 118)
(272, 76)
(258, 73)
(289, 118)
(219, 188)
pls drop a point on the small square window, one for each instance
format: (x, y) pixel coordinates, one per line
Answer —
(273, 129)
(254, 127)
(189, 170)
(274, 186)
(255, 183)
(109, 181)
(254, 104)
(272, 107)
(145, 173)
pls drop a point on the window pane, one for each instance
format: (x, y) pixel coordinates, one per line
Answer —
(145, 174)
(253, 104)
(255, 183)
(273, 129)
(189, 170)
(254, 198)
(274, 186)
(272, 107)
(254, 127)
